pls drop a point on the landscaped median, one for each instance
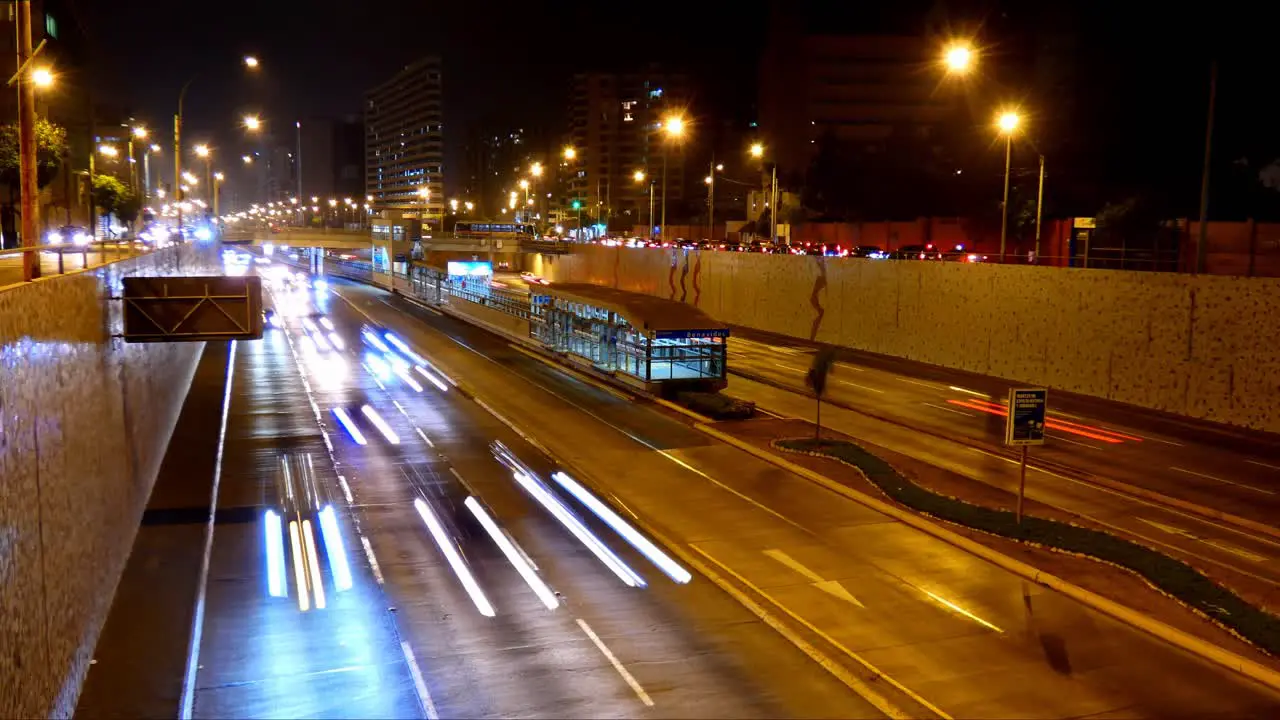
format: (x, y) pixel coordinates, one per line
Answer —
(1079, 561)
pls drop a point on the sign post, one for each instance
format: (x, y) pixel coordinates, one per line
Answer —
(1024, 427)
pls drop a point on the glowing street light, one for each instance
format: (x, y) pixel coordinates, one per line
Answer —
(42, 77)
(469, 206)
(453, 205)
(638, 176)
(141, 134)
(570, 153)
(251, 62)
(202, 150)
(1006, 122)
(674, 126)
(108, 150)
(536, 169)
(958, 58)
(247, 159)
(252, 123)
(757, 150)
(524, 184)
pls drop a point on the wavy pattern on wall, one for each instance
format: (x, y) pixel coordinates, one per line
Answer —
(684, 275)
(671, 277)
(697, 280)
(819, 284)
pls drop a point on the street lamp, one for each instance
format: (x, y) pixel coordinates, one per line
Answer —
(252, 123)
(214, 189)
(673, 127)
(251, 62)
(42, 77)
(1007, 123)
(202, 152)
(246, 159)
(108, 150)
(639, 177)
(958, 58)
(570, 153)
(757, 151)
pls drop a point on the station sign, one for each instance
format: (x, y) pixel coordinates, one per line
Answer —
(1024, 424)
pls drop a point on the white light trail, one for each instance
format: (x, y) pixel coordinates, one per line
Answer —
(350, 425)
(334, 548)
(321, 341)
(434, 380)
(375, 341)
(504, 543)
(580, 531)
(313, 563)
(326, 322)
(309, 324)
(337, 341)
(404, 348)
(299, 568)
(630, 534)
(455, 561)
(404, 375)
(381, 424)
(276, 583)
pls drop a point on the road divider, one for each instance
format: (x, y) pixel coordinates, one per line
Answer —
(1178, 638)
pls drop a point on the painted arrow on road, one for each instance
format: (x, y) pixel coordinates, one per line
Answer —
(830, 587)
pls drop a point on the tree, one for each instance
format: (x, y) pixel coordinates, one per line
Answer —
(823, 363)
(110, 195)
(51, 146)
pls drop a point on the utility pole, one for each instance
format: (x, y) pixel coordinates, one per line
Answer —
(649, 229)
(27, 145)
(1004, 207)
(1202, 242)
(663, 230)
(773, 205)
(1039, 207)
(711, 200)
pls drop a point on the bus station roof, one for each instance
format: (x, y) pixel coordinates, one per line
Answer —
(642, 311)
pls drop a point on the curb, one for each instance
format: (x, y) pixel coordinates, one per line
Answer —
(1134, 491)
(1185, 641)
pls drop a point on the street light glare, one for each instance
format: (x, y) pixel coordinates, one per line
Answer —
(570, 153)
(140, 132)
(536, 169)
(247, 159)
(424, 192)
(42, 77)
(108, 150)
(524, 184)
(1008, 121)
(202, 150)
(958, 58)
(252, 122)
(219, 176)
(674, 126)
(757, 150)
(155, 148)
(708, 180)
(639, 176)
(251, 62)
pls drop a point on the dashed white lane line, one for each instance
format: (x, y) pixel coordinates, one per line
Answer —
(418, 683)
(952, 410)
(1262, 464)
(1222, 480)
(373, 561)
(617, 664)
(860, 387)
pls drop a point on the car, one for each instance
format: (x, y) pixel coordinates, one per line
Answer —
(69, 234)
(916, 252)
(867, 251)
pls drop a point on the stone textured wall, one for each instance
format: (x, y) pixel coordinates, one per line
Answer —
(84, 423)
(1203, 346)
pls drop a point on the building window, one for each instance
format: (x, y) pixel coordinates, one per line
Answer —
(50, 26)
(655, 93)
(627, 104)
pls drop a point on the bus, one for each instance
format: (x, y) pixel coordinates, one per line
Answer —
(495, 230)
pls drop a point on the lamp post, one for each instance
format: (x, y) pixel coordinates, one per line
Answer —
(712, 169)
(202, 152)
(146, 171)
(757, 151)
(214, 189)
(1007, 123)
(639, 177)
(139, 133)
(674, 130)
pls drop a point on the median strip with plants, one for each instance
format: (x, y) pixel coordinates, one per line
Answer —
(1167, 574)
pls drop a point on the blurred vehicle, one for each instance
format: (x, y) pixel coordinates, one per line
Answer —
(73, 234)
(867, 251)
(916, 252)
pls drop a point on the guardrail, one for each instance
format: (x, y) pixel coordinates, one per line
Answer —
(103, 249)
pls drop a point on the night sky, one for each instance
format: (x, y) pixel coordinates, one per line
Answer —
(1137, 105)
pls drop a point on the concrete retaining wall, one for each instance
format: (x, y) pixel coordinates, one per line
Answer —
(1203, 346)
(84, 423)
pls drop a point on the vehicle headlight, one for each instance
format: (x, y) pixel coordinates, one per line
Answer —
(203, 233)
(82, 238)
(54, 237)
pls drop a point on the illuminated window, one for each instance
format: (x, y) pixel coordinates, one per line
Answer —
(655, 93)
(626, 117)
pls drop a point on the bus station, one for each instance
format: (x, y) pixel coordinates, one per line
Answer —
(652, 343)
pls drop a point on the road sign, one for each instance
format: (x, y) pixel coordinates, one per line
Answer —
(192, 309)
(1024, 424)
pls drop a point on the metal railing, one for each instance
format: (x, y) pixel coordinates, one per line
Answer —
(62, 258)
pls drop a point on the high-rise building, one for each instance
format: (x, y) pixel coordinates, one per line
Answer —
(615, 129)
(496, 159)
(333, 158)
(859, 88)
(404, 141)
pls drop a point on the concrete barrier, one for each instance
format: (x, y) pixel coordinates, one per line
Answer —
(84, 423)
(1206, 347)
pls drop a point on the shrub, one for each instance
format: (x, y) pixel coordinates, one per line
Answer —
(1168, 574)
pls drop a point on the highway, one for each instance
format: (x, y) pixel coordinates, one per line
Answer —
(946, 631)
(478, 582)
(958, 427)
(468, 633)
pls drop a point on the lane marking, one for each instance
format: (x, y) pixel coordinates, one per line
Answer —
(575, 375)
(1060, 438)
(830, 587)
(857, 685)
(917, 382)
(730, 490)
(847, 366)
(197, 621)
(862, 387)
(1262, 464)
(951, 410)
(791, 368)
(957, 388)
(1222, 480)
(617, 664)
(373, 560)
(952, 606)
(1225, 547)
(418, 683)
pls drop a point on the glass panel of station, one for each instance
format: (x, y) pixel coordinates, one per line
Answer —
(611, 343)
